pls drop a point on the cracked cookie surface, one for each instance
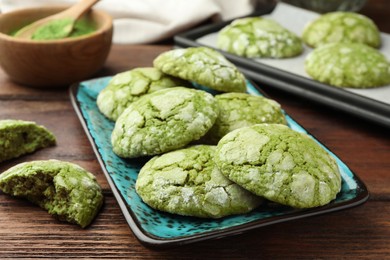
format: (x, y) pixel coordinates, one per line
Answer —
(187, 182)
(65, 190)
(18, 137)
(279, 164)
(126, 87)
(258, 37)
(351, 65)
(341, 27)
(238, 110)
(204, 66)
(162, 121)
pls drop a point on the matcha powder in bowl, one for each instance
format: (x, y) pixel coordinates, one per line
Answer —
(55, 30)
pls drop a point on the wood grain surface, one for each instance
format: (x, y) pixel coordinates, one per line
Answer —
(363, 232)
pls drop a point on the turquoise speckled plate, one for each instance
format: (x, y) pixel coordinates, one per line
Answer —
(158, 229)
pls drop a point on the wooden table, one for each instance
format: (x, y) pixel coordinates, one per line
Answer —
(361, 232)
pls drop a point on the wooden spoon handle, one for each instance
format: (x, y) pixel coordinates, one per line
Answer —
(77, 10)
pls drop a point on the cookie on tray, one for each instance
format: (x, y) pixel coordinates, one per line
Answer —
(258, 37)
(279, 164)
(65, 190)
(341, 27)
(187, 182)
(351, 65)
(241, 109)
(162, 121)
(126, 87)
(204, 66)
(19, 137)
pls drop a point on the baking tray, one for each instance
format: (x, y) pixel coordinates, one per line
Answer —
(289, 75)
(158, 229)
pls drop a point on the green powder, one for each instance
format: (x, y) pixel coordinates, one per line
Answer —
(83, 26)
(62, 28)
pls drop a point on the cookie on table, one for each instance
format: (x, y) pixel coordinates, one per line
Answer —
(187, 182)
(238, 110)
(19, 137)
(258, 37)
(204, 66)
(341, 27)
(351, 65)
(126, 87)
(65, 190)
(279, 164)
(162, 121)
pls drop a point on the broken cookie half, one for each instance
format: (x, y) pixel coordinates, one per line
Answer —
(18, 137)
(65, 190)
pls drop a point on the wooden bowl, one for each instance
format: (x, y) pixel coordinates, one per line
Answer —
(52, 63)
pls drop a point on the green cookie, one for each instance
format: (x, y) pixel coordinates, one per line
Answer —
(162, 121)
(279, 164)
(64, 189)
(19, 137)
(187, 182)
(352, 65)
(126, 87)
(341, 27)
(204, 66)
(257, 37)
(239, 110)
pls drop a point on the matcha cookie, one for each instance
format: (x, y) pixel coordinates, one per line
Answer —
(162, 121)
(65, 190)
(341, 27)
(204, 66)
(126, 87)
(187, 182)
(257, 37)
(279, 164)
(18, 137)
(238, 110)
(352, 65)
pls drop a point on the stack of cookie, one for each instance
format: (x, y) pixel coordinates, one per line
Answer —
(214, 150)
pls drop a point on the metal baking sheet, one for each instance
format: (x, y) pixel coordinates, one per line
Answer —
(289, 75)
